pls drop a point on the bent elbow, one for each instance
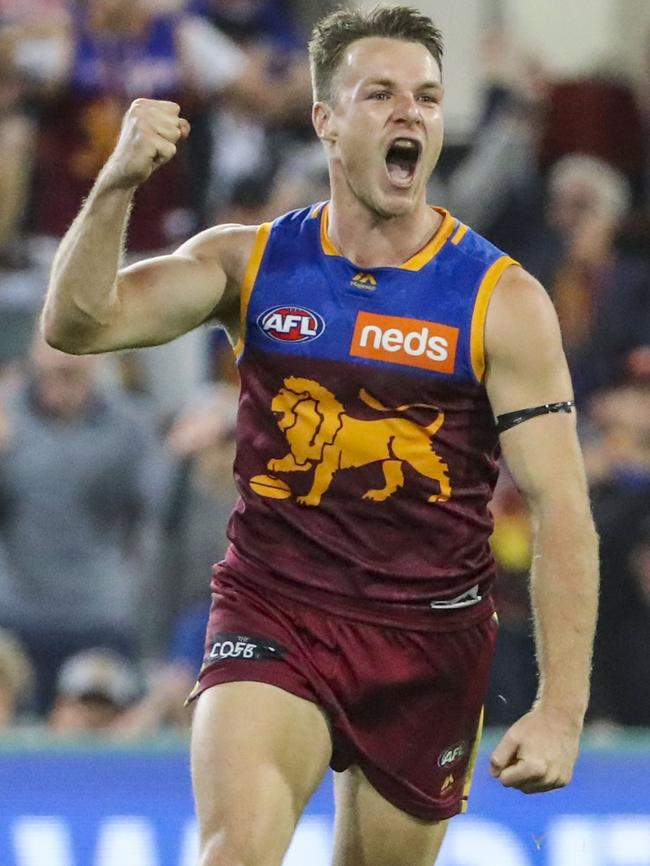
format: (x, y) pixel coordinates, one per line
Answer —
(68, 338)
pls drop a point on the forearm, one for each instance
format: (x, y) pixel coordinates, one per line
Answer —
(82, 294)
(564, 596)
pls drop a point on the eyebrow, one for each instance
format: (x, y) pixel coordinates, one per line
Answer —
(388, 82)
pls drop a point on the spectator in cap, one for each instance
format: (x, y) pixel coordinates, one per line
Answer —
(93, 690)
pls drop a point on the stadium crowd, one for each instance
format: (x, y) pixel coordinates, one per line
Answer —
(115, 472)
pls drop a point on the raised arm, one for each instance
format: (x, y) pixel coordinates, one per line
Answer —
(526, 368)
(91, 305)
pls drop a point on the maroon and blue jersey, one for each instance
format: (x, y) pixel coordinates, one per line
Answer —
(367, 450)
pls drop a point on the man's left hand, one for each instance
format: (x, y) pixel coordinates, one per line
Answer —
(537, 753)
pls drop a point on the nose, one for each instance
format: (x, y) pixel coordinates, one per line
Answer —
(407, 108)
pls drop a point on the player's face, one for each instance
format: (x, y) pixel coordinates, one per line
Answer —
(385, 127)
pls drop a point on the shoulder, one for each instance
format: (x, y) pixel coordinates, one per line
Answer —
(520, 316)
(525, 361)
(227, 246)
(232, 246)
(294, 219)
(470, 245)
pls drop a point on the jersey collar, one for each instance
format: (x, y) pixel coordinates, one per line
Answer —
(417, 261)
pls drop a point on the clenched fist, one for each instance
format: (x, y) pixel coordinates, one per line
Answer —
(537, 753)
(150, 132)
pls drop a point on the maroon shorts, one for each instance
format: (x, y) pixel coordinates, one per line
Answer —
(405, 706)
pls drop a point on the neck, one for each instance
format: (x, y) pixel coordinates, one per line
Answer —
(370, 240)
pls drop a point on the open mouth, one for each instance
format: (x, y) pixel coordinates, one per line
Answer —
(402, 159)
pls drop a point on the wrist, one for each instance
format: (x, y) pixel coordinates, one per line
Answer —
(570, 712)
(112, 180)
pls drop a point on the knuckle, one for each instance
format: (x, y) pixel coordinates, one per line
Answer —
(537, 770)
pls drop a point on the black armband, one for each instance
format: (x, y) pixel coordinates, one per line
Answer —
(511, 419)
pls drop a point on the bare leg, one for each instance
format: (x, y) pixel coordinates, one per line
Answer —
(258, 753)
(370, 831)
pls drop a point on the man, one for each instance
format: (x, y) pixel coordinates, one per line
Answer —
(94, 690)
(103, 53)
(352, 621)
(78, 473)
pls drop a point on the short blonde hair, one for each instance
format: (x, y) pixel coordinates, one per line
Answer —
(332, 35)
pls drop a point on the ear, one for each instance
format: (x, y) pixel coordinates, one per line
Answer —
(322, 117)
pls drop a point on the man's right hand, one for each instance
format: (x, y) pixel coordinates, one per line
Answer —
(150, 132)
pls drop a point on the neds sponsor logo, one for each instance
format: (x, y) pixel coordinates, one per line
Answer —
(291, 324)
(400, 340)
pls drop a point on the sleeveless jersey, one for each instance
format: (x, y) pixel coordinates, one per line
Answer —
(79, 129)
(367, 449)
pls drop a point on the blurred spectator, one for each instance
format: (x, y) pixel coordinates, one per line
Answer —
(114, 51)
(78, 475)
(496, 187)
(617, 443)
(254, 22)
(94, 690)
(202, 496)
(245, 148)
(170, 681)
(16, 680)
(622, 669)
(513, 682)
(26, 30)
(300, 179)
(602, 295)
(617, 455)
(111, 52)
(599, 116)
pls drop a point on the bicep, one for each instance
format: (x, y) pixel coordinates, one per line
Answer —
(526, 368)
(159, 299)
(164, 297)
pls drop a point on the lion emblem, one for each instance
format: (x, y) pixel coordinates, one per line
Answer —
(323, 437)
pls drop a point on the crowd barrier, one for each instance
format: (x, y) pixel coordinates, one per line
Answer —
(92, 804)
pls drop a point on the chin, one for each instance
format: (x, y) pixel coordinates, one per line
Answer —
(398, 204)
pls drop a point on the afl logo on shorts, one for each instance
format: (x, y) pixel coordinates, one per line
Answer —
(291, 324)
(452, 754)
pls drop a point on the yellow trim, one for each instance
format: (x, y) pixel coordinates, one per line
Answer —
(252, 268)
(416, 262)
(316, 210)
(461, 231)
(328, 247)
(477, 332)
(472, 763)
(437, 242)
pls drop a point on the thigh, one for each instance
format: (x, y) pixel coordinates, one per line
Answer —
(370, 831)
(258, 753)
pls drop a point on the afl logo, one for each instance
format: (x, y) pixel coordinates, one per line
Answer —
(452, 754)
(291, 324)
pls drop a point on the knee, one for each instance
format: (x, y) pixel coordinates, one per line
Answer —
(221, 849)
(217, 851)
